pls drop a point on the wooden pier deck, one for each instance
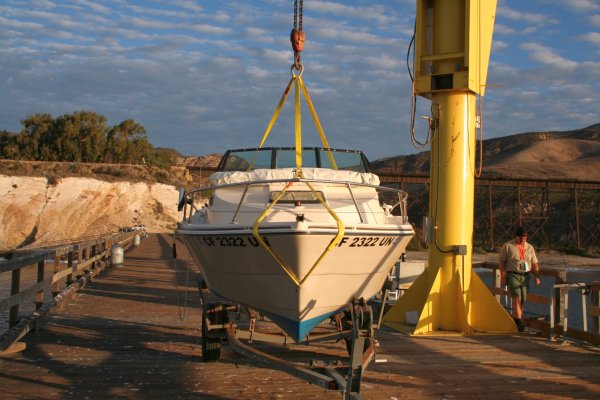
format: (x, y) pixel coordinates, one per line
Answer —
(133, 333)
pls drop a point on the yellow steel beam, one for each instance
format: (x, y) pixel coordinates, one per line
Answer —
(448, 296)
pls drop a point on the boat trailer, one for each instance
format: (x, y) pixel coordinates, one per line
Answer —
(221, 321)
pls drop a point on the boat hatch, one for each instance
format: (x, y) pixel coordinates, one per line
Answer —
(285, 157)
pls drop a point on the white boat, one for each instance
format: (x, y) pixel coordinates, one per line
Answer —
(296, 246)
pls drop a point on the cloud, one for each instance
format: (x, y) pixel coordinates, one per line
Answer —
(377, 12)
(591, 37)
(499, 45)
(519, 15)
(188, 5)
(43, 4)
(210, 29)
(580, 5)
(149, 23)
(16, 24)
(94, 6)
(504, 30)
(594, 20)
(547, 55)
(349, 35)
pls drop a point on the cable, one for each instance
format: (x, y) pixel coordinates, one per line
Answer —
(480, 123)
(413, 105)
(434, 121)
(182, 315)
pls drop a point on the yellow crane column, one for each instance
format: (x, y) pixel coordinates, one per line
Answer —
(452, 47)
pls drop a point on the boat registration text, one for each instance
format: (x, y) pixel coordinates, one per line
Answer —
(249, 241)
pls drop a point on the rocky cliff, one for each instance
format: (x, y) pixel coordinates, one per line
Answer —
(44, 211)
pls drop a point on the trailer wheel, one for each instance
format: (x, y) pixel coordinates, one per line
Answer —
(211, 343)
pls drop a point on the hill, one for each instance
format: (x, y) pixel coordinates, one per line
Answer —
(561, 155)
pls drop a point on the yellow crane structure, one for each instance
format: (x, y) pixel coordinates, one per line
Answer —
(452, 48)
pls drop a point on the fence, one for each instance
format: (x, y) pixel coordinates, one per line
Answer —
(31, 280)
(557, 214)
(556, 302)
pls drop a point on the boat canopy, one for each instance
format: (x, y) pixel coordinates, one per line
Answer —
(285, 157)
(325, 174)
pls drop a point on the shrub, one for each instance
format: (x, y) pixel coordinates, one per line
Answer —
(53, 180)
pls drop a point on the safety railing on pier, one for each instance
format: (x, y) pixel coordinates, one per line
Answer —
(555, 321)
(29, 289)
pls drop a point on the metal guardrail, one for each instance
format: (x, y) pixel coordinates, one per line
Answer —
(402, 196)
(557, 302)
(83, 261)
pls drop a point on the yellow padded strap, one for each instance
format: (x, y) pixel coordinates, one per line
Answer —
(313, 112)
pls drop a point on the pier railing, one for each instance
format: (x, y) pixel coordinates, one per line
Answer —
(29, 289)
(556, 302)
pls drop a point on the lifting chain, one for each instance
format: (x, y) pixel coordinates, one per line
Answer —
(297, 36)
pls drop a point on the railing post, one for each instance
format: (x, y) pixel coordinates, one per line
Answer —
(584, 295)
(79, 255)
(88, 252)
(561, 278)
(70, 266)
(39, 296)
(497, 282)
(93, 249)
(596, 303)
(564, 291)
(552, 313)
(56, 269)
(14, 289)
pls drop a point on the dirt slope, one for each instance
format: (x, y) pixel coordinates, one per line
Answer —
(32, 210)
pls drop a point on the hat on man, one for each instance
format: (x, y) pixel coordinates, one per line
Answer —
(521, 231)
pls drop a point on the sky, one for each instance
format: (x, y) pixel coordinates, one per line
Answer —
(206, 76)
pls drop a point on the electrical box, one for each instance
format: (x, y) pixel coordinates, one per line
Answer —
(461, 249)
(453, 44)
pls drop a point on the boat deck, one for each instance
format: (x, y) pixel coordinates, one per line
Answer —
(134, 332)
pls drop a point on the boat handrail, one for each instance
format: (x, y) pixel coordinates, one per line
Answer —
(402, 195)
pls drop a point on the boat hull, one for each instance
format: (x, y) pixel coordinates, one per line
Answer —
(296, 289)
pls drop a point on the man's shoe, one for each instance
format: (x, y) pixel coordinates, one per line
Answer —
(519, 324)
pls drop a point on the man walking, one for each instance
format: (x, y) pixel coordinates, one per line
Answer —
(517, 260)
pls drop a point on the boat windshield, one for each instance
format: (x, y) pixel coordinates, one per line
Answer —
(285, 157)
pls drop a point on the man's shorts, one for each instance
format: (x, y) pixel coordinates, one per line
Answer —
(518, 285)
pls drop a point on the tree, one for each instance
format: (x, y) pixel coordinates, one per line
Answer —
(88, 133)
(127, 142)
(80, 137)
(8, 145)
(35, 139)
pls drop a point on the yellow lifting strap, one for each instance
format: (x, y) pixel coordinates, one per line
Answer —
(334, 242)
(298, 127)
(313, 112)
(298, 85)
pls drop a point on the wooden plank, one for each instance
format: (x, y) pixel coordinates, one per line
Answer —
(80, 266)
(20, 262)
